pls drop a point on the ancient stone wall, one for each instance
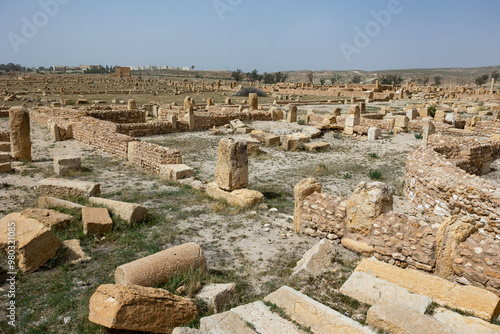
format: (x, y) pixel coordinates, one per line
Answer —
(440, 189)
(119, 116)
(151, 156)
(101, 134)
(487, 128)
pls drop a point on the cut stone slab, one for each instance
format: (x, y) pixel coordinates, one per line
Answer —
(74, 251)
(67, 165)
(36, 244)
(266, 138)
(321, 146)
(67, 188)
(52, 202)
(253, 145)
(236, 123)
(482, 303)
(316, 259)
(372, 290)
(96, 220)
(138, 308)
(176, 172)
(243, 131)
(217, 296)
(50, 218)
(158, 268)
(311, 131)
(358, 247)
(311, 313)
(226, 322)
(244, 198)
(465, 325)
(265, 321)
(291, 143)
(397, 318)
(130, 212)
(374, 133)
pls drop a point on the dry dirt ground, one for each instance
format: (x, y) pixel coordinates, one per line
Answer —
(254, 248)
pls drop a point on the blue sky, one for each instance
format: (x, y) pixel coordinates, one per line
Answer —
(247, 34)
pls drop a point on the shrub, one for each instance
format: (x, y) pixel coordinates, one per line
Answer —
(375, 174)
(337, 135)
(347, 176)
(300, 121)
(245, 91)
(418, 135)
(432, 110)
(373, 155)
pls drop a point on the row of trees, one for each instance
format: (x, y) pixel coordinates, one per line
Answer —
(267, 78)
(11, 67)
(482, 79)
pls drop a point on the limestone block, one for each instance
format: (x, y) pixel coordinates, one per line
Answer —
(310, 313)
(397, 318)
(301, 190)
(401, 122)
(217, 296)
(291, 116)
(36, 244)
(74, 251)
(266, 138)
(464, 324)
(67, 188)
(372, 290)
(5, 167)
(67, 165)
(176, 172)
(480, 302)
(118, 306)
(412, 114)
(351, 121)
(20, 140)
(52, 202)
(311, 132)
(374, 133)
(358, 246)
(253, 101)
(96, 220)
(50, 218)
(235, 124)
(231, 171)
(158, 268)
(319, 146)
(320, 257)
(131, 105)
(227, 322)
(5, 158)
(367, 202)
(264, 320)
(130, 212)
(291, 143)
(244, 198)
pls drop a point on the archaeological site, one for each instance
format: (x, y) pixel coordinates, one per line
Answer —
(184, 200)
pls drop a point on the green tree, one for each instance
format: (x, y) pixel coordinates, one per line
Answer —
(391, 79)
(281, 77)
(437, 80)
(322, 81)
(495, 75)
(310, 76)
(237, 75)
(254, 76)
(356, 79)
(335, 78)
(481, 80)
(269, 78)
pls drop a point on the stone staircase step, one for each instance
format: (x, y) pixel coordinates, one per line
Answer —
(399, 319)
(465, 325)
(310, 313)
(482, 303)
(265, 321)
(371, 290)
(225, 323)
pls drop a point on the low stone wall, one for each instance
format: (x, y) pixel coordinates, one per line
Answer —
(440, 189)
(151, 156)
(102, 134)
(487, 128)
(119, 116)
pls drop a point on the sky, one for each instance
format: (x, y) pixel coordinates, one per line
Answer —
(265, 35)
